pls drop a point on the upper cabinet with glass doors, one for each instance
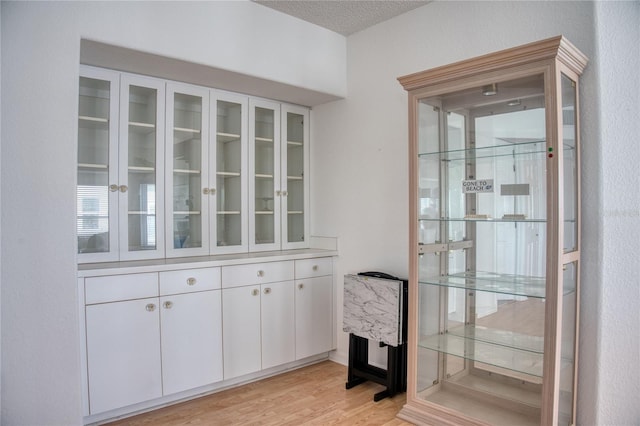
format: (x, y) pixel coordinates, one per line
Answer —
(494, 190)
(278, 189)
(120, 167)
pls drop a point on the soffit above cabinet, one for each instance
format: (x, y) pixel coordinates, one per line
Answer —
(134, 61)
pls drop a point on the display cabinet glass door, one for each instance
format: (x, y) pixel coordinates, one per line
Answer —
(141, 172)
(187, 192)
(295, 182)
(229, 183)
(483, 236)
(265, 187)
(97, 190)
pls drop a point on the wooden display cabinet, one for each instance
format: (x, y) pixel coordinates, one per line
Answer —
(494, 238)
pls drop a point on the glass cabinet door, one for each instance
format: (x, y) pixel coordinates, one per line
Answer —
(187, 191)
(229, 182)
(265, 193)
(141, 168)
(97, 190)
(295, 182)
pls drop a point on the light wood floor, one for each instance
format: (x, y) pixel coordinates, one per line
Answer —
(313, 395)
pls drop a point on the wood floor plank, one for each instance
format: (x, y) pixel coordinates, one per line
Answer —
(313, 395)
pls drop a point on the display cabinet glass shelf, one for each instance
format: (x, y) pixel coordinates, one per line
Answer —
(494, 241)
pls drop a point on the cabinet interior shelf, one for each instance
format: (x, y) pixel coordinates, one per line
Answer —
(295, 177)
(144, 128)
(295, 143)
(140, 213)
(516, 285)
(229, 212)
(89, 122)
(481, 219)
(227, 137)
(228, 174)
(264, 212)
(91, 166)
(144, 169)
(491, 353)
(186, 130)
(186, 212)
(261, 139)
(295, 212)
(186, 171)
(263, 176)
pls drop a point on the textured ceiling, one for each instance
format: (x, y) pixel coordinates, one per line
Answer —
(343, 16)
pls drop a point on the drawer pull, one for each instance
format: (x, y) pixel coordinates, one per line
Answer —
(261, 273)
(150, 307)
(300, 286)
(191, 281)
(255, 292)
(267, 290)
(315, 268)
(168, 304)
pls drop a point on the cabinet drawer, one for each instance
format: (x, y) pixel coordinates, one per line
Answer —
(189, 280)
(256, 273)
(120, 287)
(308, 268)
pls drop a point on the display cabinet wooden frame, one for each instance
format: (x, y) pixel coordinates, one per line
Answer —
(495, 233)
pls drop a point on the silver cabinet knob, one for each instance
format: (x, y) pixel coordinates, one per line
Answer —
(168, 304)
(113, 187)
(150, 307)
(285, 193)
(255, 292)
(212, 191)
(191, 281)
(267, 290)
(278, 193)
(123, 188)
(261, 273)
(300, 286)
(205, 191)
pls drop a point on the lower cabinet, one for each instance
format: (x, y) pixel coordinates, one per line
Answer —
(123, 357)
(151, 335)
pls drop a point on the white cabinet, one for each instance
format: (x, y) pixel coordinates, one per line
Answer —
(147, 337)
(207, 183)
(258, 317)
(123, 359)
(120, 167)
(279, 183)
(313, 306)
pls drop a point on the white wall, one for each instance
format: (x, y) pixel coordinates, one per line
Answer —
(40, 57)
(359, 180)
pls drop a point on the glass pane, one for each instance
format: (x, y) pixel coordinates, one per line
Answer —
(187, 173)
(569, 164)
(482, 201)
(229, 168)
(92, 202)
(295, 177)
(142, 168)
(568, 350)
(264, 176)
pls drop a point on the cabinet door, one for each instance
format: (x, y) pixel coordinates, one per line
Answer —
(187, 190)
(97, 190)
(277, 323)
(141, 168)
(123, 356)
(294, 179)
(229, 183)
(314, 316)
(191, 340)
(241, 330)
(264, 174)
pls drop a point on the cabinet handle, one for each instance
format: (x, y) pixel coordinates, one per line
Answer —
(212, 191)
(300, 286)
(314, 268)
(267, 290)
(285, 193)
(191, 281)
(113, 187)
(168, 304)
(150, 307)
(123, 188)
(255, 292)
(278, 193)
(205, 191)
(261, 273)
